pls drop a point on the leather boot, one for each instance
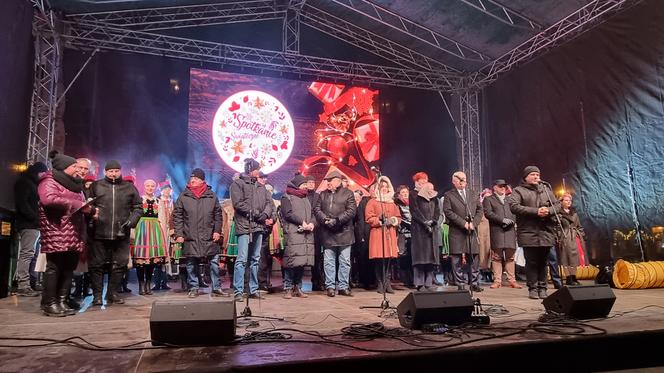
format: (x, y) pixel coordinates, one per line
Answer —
(568, 281)
(49, 303)
(113, 284)
(97, 284)
(388, 286)
(575, 282)
(63, 292)
(141, 286)
(380, 284)
(147, 290)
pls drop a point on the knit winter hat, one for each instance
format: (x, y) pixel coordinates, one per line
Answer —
(298, 180)
(37, 167)
(251, 164)
(60, 161)
(112, 165)
(528, 170)
(199, 173)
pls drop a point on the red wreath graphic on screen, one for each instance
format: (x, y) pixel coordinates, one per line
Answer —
(348, 138)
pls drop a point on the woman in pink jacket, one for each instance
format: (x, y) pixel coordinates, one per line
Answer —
(62, 226)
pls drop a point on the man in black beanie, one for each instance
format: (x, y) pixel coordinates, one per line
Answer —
(534, 205)
(119, 205)
(253, 212)
(26, 201)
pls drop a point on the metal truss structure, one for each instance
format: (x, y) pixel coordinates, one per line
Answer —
(592, 14)
(395, 21)
(135, 30)
(104, 37)
(469, 139)
(502, 13)
(47, 69)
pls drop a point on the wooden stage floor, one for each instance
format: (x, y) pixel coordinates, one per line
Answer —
(636, 313)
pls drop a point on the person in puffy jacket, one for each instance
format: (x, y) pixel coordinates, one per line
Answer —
(62, 225)
(119, 207)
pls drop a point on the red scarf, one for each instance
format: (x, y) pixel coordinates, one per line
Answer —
(296, 192)
(199, 190)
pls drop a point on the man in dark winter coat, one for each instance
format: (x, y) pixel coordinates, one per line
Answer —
(119, 209)
(502, 234)
(535, 208)
(197, 223)
(463, 212)
(253, 212)
(27, 227)
(334, 211)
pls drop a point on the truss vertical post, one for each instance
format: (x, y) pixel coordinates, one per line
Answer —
(291, 31)
(47, 72)
(469, 138)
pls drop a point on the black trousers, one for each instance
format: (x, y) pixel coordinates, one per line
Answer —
(115, 252)
(460, 270)
(58, 275)
(536, 266)
(265, 264)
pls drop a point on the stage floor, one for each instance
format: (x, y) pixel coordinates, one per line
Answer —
(120, 325)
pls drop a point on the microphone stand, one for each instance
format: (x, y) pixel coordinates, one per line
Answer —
(547, 187)
(385, 304)
(247, 311)
(469, 220)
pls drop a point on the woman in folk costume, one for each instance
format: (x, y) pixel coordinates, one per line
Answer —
(164, 213)
(425, 210)
(571, 241)
(383, 215)
(149, 246)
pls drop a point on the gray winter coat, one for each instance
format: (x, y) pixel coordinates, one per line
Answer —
(502, 236)
(299, 249)
(456, 211)
(531, 230)
(252, 205)
(339, 205)
(196, 219)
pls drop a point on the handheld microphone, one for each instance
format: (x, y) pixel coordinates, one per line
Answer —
(375, 169)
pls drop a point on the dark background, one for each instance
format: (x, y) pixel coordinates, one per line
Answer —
(592, 112)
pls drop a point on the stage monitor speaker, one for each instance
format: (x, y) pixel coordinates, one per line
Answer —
(581, 302)
(442, 307)
(192, 323)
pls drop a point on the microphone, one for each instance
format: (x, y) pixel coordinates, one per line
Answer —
(375, 169)
(545, 183)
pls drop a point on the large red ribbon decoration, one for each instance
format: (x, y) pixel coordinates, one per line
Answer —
(349, 136)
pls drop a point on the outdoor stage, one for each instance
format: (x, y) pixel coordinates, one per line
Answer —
(634, 331)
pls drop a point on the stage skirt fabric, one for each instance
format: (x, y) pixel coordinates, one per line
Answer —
(176, 252)
(232, 241)
(149, 243)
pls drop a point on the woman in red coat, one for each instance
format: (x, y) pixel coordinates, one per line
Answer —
(383, 215)
(62, 226)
